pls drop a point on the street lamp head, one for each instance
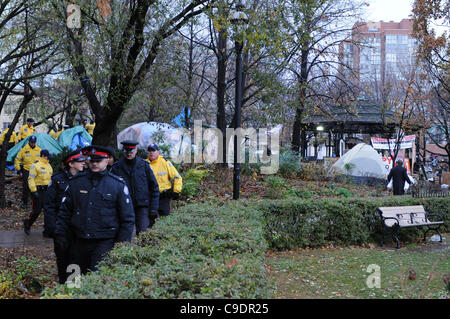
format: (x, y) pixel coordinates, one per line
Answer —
(238, 16)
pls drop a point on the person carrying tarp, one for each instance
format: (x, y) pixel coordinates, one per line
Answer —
(29, 154)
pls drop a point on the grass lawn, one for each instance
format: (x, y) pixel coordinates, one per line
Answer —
(342, 272)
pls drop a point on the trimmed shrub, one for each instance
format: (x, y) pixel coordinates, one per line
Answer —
(198, 252)
(314, 223)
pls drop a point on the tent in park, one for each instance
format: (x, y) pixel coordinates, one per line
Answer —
(147, 133)
(44, 141)
(75, 137)
(362, 162)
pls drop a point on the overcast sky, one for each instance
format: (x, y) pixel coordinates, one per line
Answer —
(389, 10)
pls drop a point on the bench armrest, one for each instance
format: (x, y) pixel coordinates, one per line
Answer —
(385, 218)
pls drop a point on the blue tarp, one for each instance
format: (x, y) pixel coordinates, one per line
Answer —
(44, 141)
(75, 137)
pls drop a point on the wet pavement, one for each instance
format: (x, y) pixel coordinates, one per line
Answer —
(18, 238)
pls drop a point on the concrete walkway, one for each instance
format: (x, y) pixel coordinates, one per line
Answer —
(18, 238)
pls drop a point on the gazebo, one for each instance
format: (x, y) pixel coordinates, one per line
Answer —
(361, 118)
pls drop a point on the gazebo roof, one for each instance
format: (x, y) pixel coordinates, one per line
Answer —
(360, 118)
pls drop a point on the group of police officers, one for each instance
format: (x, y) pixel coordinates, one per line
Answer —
(93, 203)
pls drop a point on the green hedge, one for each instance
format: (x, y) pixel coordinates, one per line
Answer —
(206, 251)
(348, 221)
(198, 252)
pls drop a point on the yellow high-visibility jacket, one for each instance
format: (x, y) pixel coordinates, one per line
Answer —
(165, 174)
(12, 139)
(40, 174)
(90, 128)
(27, 156)
(52, 133)
(26, 131)
(58, 133)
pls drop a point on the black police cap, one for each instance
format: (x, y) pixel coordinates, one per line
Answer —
(99, 152)
(30, 120)
(128, 143)
(75, 156)
(32, 139)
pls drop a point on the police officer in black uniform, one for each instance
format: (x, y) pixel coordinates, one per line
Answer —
(142, 184)
(73, 164)
(98, 209)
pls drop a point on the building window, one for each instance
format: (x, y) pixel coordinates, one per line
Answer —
(391, 57)
(391, 39)
(6, 124)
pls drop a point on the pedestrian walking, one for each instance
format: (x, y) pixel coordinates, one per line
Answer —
(399, 175)
(38, 179)
(29, 154)
(169, 181)
(142, 185)
(97, 209)
(73, 164)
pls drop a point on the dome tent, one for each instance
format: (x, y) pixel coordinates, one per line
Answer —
(44, 141)
(75, 137)
(144, 133)
(361, 161)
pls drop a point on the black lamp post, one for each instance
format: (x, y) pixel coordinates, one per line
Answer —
(239, 20)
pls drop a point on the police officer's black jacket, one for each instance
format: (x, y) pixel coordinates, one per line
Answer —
(96, 205)
(140, 179)
(55, 194)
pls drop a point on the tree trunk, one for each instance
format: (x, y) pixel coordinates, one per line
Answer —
(3, 153)
(221, 89)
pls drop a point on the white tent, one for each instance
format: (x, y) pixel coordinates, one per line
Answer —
(361, 160)
(147, 133)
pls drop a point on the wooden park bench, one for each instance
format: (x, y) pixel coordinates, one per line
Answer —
(395, 218)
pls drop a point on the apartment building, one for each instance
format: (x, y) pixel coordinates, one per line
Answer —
(385, 52)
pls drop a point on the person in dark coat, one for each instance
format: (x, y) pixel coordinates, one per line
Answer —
(97, 209)
(399, 176)
(142, 183)
(73, 164)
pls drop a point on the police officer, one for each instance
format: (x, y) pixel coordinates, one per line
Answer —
(73, 164)
(60, 130)
(52, 132)
(29, 154)
(27, 129)
(142, 184)
(169, 181)
(12, 139)
(98, 209)
(89, 127)
(38, 179)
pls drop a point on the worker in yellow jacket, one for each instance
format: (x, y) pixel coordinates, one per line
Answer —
(169, 181)
(40, 175)
(12, 139)
(29, 154)
(52, 132)
(60, 130)
(89, 127)
(27, 129)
